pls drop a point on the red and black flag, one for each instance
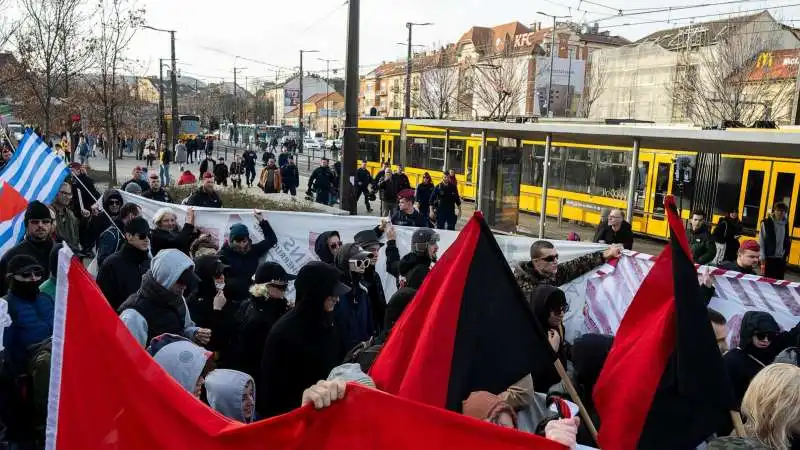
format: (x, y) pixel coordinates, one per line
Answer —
(469, 328)
(664, 384)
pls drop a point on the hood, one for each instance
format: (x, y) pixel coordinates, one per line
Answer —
(589, 353)
(346, 253)
(542, 298)
(411, 260)
(396, 305)
(183, 361)
(111, 194)
(753, 321)
(321, 246)
(224, 389)
(168, 266)
(315, 281)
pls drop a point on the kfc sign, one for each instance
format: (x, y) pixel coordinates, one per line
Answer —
(524, 40)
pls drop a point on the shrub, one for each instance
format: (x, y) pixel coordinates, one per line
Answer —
(233, 198)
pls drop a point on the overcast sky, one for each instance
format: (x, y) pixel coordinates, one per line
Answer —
(273, 31)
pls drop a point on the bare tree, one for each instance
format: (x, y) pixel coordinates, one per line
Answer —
(595, 83)
(499, 84)
(438, 88)
(729, 79)
(6, 24)
(51, 49)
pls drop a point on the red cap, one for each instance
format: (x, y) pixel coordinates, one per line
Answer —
(407, 194)
(208, 175)
(751, 244)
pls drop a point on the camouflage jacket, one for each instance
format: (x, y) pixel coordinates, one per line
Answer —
(528, 279)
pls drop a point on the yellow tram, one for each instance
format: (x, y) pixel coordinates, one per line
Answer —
(585, 178)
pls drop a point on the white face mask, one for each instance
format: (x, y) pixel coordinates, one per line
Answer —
(219, 286)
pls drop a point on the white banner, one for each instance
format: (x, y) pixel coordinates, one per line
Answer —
(297, 232)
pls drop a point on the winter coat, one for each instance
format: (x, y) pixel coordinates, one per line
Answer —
(415, 219)
(263, 179)
(353, 313)
(363, 179)
(121, 274)
(321, 246)
(624, 236)
(99, 223)
(67, 228)
(389, 188)
(445, 198)
(187, 177)
(255, 319)
(110, 241)
(236, 170)
(701, 244)
(539, 301)
(142, 184)
(283, 159)
(220, 172)
(31, 323)
(205, 199)
(249, 158)
(732, 265)
(726, 232)
(167, 156)
(768, 239)
(528, 279)
(39, 250)
(87, 196)
(244, 265)
(322, 179)
(290, 176)
(161, 195)
(181, 154)
(182, 239)
(423, 196)
(207, 165)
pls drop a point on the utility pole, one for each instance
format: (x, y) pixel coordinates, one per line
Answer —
(301, 119)
(410, 26)
(552, 61)
(160, 102)
(175, 117)
(351, 91)
(327, 94)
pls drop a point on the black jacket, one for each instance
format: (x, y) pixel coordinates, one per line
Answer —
(363, 178)
(142, 184)
(161, 195)
(203, 198)
(321, 246)
(624, 236)
(101, 222)
(39, 250)
(162, 239)
(249, 158)
(415, 219)
(539, 301)
(204, 166)
(732, 265)
(290, 176)
(389, 188)
(424, 192)
(445, 198)
(726, 232)
(222, 323)
(220, 172)
(121, 274)
(244, 265)
(255, 319)
(322, 179)
(164, 311)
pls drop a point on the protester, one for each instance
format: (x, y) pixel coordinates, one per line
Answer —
(187, 177)
(112, 238)
(205, 244)
(353, 312)
(133, 188)
(616, 231)
(191, 150)
(549, 305)
(232, 394)
(720, 326)
(158, 306)
(446, 204)
(221, 173)
(789, 356)
(363, 181)
(37, 243)
(31, 311)
(424, 249)
(67, 225)
(760, 340)
(49, 286)
(206, 196)
(168, 234)
(322, 182)
(185, 362)
(543, 267)
(769, 407)
(258, 314)
(270, 178)
(423, 196)
(136, 177)
(210, 307)
(303, 345)
(726, 237)
(156, 191)
(290, 177)
(207, 166)
(243, 256)
(84, 192)
(237, 170)
(8, 152)
(747, 257)
(406, 215)
(121, 274)
(249, 157)
(389, 186)
(700, 242)
(775, 242)
(99, 222)
(327, 245)
(369, 241)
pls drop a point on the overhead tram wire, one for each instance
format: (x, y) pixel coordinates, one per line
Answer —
(700, 16)
(669, 9)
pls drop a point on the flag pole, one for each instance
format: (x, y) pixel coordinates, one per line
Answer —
(737, 423)
(577, 399)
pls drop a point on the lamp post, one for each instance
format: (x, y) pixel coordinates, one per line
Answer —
(327, 93)
(552, 59)
(410, 26)
(300, 117)
(174, 82)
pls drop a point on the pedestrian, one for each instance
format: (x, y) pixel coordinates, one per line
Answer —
(232, 394)
(83, 150)
(549, 305)
(168, 234)
(112, 238)
(726, 237)
(747, 258)
(205, 196)
(388, 186)
(406, 215)
(423, 196)
(353, 312)
(283, 157)
(221, 173)
(446, 204)
(243, 256)
(266, 156)
(760, 341)
(187, 178)
(775, 242)
(156, 190)
(290, 177)
(185, 362)
(249, 157)
(166, 158)
(37, 243)
(191, 151)
(236, 171)
(258, 314)
(303, 345)
(121, 274)
(181, 153)
(67, 225)
(402, 179)
(137, 176)
(157, 307)
(207, 166)
(699, 236)
(327, 245)
(321, 182)
(616, 230)
(543, 267)
(363, 182)
(270, 178)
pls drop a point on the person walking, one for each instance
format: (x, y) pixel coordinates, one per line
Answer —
(270, 178)
(237, 170)
(221, 173)
(290, 177)
(181, 153)
(322, 181)
(166, 158)
(388, 186)
(446, 204)
(726, 237)
(775, 242)
(249, 157)
(423, 196)
(363, 182)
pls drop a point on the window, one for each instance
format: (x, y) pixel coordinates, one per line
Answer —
(436, 158)
(611, 174)
(533, 166)
(578, 170)
(455, 156)
(425, 153)
(368, 148)
(683, 181)
(752, 199)
(729, 185)
(784, 188)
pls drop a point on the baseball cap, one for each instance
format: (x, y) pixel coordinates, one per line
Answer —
(367, 238)
(271, 271)
(751, 244)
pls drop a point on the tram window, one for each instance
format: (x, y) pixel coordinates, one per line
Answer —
(662, 187)
(611, 174)
(426, 154)
(530, 166)
(455, 155)
(684, 180)
(641, 184)
(578, 170)
(784, 188)
(752, 199)
(396, 149)
(436, 158)
(368, 148)
(555, 176)
(729, 185)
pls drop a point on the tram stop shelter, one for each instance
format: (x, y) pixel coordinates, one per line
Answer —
(500, 165)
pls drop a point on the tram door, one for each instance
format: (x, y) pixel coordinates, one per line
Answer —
(654, 184)
(387, 149)
(784, 186)
(753, 198)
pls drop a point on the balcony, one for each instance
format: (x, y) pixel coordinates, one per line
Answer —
(383, 92)
(396, 89)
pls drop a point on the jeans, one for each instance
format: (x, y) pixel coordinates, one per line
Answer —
(446, 220)
(250, 174)
(164, 173)
(323, 197)
(289, 190)
(364, 191)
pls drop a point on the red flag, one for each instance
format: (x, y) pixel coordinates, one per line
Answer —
(664, 384)
(106, 392)
(11, 202)
(468, 328)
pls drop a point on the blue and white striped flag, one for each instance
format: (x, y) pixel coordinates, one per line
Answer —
(36, 172)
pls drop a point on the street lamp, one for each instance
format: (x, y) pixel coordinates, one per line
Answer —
(410, 26)
(300, 115)
(327, 93)
(174, 82)
(552, 59)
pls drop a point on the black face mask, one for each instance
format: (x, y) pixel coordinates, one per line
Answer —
(24, 289)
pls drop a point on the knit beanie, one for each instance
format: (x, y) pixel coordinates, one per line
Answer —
(238, 231)
(351, 372)
(37, 211)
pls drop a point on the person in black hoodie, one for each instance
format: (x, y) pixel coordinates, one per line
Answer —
(417, 264)
(369, 240)
(363, 181)
(760, 340)
(121, 273)
(549, 305)
(290, 177)
(37, 243)
(726, 236)
(98, 223)
(446, 204)
(221, 173)
(257, 315)
(168, 234)
(322, 182)
(423, 195)
(303, 346)
(353, 313)
(327, 246)
(243, 256)
(210, 308)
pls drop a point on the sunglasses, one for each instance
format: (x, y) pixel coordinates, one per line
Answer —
(142, 236)
(239, 239)
(30, 274)
(114, 202)
(550, 258)
(40, 221)
(761, 336)
(361, 263)
(561, 309)
(280, 287)
(335, 245)
(154, 178)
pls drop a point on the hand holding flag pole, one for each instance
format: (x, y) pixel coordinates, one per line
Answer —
(584, 413)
